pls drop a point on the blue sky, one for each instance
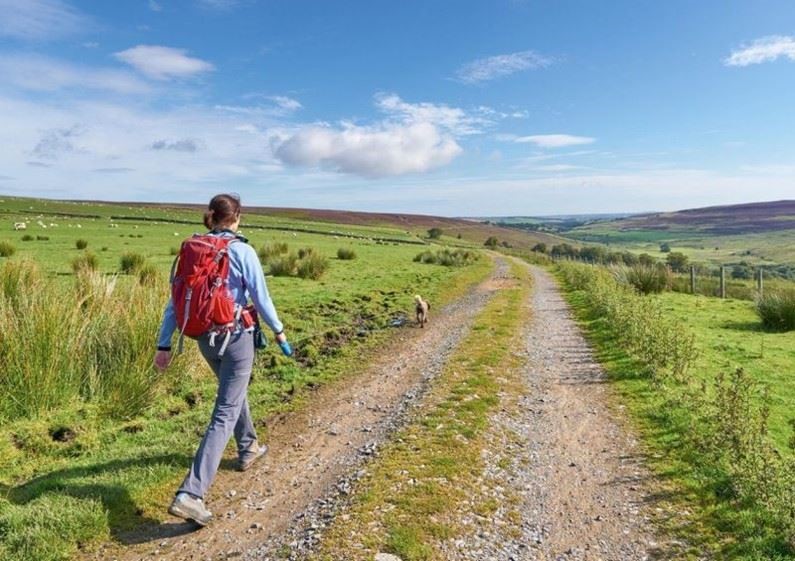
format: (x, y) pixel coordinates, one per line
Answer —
(500, 107)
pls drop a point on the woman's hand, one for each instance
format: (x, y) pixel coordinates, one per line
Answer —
(162, 360)
(281, 339)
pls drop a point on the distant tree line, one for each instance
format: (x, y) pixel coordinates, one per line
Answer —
(677, 261)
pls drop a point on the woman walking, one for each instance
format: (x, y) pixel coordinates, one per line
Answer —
(228, 346)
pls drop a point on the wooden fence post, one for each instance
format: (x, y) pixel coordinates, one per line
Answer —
(722, 281)
(692, 279)
(760, 282)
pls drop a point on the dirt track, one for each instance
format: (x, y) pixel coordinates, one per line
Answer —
(561, 453)
(314, 453)
(576, 473)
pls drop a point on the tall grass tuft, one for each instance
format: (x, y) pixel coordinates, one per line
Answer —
(646, 279)
(271, 250)
(7, 249)
(312, 266)
(130, 262)
(87, 261)
(283, 266)
(306, 264)
(346, 254)
(447, 257)
(86, 341)
(305, 252)
(148, 274)
(81, 244)
(777, 310)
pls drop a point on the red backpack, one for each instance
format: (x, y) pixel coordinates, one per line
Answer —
(199, 286)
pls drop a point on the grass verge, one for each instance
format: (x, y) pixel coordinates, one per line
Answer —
(702, 504)
(405, 504)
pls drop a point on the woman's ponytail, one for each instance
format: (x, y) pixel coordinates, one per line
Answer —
(222, 211)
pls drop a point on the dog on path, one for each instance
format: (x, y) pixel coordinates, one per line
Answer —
(422, 307)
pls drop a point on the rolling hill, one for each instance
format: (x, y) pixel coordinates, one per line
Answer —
(755, 232)
(718, 220)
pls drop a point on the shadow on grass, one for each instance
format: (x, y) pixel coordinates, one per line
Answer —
(754, 326)
(122, 511)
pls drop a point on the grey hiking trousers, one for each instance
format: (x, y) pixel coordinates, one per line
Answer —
(231, 414)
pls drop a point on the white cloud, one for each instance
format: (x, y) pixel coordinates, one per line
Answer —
(155, 6)
(39, 19)
(376, 151)
(765, 49)
(490, 68)
(38, 73)
(454, 119)
(163, 63)
(554, 140)
(413, 138)
(286, 103)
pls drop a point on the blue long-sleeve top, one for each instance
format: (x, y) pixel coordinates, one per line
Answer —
(246, 280)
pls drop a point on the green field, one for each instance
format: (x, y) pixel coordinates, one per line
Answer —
(729, 335)
(75, 474)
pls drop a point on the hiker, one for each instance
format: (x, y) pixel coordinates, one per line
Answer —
(227, 344)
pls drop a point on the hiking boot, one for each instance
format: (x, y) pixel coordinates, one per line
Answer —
(190, 508)
(247, 458)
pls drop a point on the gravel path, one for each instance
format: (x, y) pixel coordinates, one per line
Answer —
(569, 480)
(280, 508)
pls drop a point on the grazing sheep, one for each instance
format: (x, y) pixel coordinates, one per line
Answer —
(20, 226)
(422, 307)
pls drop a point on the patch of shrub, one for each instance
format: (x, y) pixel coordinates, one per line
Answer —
(663, 346)
(174, 251)
(346, 254)
(646, 279)
(305, 252)
(271, 250)
(312, 266)
(7, 249)
(148, 274)
(27, 238)
(130, 262)
(81, 244)
(86, 262)
(777, 311)
(283, 266)
(43, 238)
(447, 257)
